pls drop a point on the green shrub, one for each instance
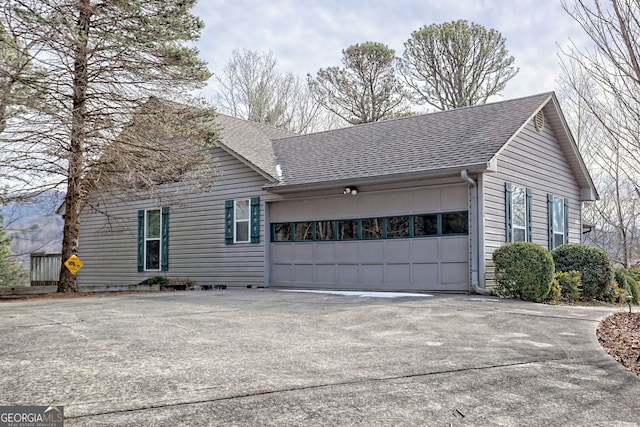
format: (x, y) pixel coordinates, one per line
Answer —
(569, 283)
(155, 280)
(594, 264)
(555, 293)
(615, 294)
(627, 282)
(523, 270)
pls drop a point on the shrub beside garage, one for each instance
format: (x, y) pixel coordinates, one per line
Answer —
(569, 273)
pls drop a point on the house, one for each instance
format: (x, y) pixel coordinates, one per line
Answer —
(418, 203)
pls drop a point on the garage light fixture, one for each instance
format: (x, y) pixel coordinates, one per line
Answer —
(350, 190)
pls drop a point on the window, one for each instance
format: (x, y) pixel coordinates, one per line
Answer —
(518, 213)
(398, 227)
(325, 230)
(425, 225)
(558, 221)
(373, 228)
(303, 231)
(455, 223)
(281, 232)
(242, 221)
(347, 229)
(391, 227)
(153, 239)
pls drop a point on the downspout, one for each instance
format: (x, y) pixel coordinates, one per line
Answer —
(464, 174)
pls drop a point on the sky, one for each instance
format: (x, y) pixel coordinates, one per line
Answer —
(306, 35)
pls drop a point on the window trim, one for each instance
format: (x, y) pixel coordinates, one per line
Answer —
(358, 222)
(163, 239)
(236, 221)
(509, 211)
(253, 222)
(551, 200)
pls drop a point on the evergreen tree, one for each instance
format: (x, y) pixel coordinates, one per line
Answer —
(101, 62)
(11, 272)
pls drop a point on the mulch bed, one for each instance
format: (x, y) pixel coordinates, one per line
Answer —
(619, 335)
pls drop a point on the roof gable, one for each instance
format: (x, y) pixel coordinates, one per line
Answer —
(250, 142)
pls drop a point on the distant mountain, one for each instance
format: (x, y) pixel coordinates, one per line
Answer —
(34, 226)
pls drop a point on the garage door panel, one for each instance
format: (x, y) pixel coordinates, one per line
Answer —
(371, 274)
(347, 251)
(281, 253)
(454, 199)
(347, 274)
(303, 274)
(325, 274)
(302, 253)
(397, 251)
(323, 252)
(454, 273)
(397, 274)
(454, 249)
(427, 274)
(425, 250)
(371, 252)
(282, 274)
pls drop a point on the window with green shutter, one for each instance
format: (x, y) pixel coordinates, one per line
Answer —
(558, 214)
(153, 239)
(242, 221)
(518, 213)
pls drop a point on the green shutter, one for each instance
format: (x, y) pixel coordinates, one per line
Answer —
(164, 256)
(255, 220)
(228, 222)
(529, 215)
(507, 212)
(140, 240)
(566, 220)
(550, 220)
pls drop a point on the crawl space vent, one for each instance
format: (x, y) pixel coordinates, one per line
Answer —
(539, 121)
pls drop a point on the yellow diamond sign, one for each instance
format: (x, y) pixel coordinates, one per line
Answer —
(73, 264)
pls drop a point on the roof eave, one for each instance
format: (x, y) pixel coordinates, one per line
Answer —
(282, 188)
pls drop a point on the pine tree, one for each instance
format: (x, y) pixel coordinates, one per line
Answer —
(11, 272)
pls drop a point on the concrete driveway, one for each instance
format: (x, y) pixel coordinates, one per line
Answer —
(259, 357)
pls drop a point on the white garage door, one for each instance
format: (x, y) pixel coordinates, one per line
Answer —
(409, 240)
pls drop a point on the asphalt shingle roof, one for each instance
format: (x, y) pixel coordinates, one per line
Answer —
(251, 141)
(443, 140)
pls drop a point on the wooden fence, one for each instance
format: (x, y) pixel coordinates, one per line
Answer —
(45, 269)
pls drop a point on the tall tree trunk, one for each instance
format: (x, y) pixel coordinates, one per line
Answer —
(73, 199)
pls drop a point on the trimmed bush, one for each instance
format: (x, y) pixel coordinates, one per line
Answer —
(523, 270)
(594, 264)
(627, 282)
(569, 283)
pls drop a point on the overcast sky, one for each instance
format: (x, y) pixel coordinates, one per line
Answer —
(306, 35)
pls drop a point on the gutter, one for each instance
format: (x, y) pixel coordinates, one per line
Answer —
(464, 174)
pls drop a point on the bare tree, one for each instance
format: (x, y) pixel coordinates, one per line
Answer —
(456, 64)
(99, 63)
(252, 87)
(602, 90)
(365, 90)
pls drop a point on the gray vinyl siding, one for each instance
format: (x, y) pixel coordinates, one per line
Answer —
(197, 249)
(533, 160)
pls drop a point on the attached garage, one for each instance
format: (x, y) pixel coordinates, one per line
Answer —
(393, 240)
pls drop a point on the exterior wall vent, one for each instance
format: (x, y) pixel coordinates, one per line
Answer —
(539, 121)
